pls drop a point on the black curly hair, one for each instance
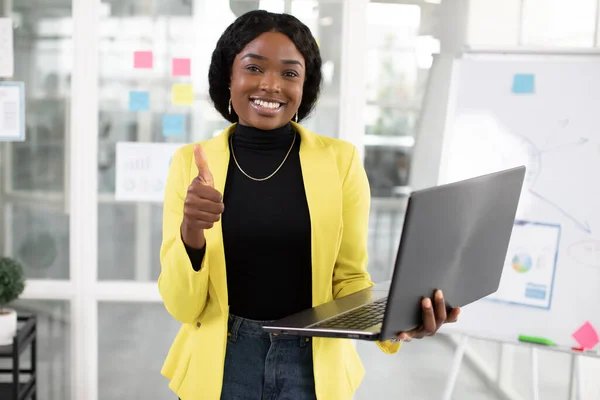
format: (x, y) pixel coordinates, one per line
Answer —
(245, 29)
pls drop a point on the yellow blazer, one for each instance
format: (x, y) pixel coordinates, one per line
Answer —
(338, 197)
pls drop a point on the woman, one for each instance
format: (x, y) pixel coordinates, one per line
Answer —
(261, 222)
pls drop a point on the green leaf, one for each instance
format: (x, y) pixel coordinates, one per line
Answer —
(12, 280)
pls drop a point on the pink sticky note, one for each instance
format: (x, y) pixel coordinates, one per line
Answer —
(142, 59)
(586, 336)
(181, 67)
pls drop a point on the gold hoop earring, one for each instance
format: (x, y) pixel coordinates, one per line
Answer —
(229, 108)
(296, 116)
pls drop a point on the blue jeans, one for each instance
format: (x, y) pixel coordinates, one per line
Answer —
(264, 366)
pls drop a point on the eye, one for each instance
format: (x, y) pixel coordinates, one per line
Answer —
(291, 74)
(252, 68)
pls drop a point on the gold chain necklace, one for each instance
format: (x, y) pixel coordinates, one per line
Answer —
(274, 172)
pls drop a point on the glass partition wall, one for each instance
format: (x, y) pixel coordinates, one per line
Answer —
(98, 73)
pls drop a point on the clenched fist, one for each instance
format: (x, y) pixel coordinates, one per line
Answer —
(203, 204)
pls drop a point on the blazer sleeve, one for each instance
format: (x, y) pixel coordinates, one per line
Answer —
(350, 271)
(183, 288)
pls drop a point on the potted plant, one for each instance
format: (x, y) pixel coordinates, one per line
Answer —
(12, 283)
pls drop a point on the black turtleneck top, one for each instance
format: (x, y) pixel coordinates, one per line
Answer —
(266, 227)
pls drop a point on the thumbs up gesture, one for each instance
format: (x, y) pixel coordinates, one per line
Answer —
(203, 204)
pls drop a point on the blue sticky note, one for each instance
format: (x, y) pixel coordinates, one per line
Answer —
(523, 83)
(139, 101)
(173, 125)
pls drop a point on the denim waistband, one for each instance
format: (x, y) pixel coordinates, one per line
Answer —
(238, 325)
(247, 326)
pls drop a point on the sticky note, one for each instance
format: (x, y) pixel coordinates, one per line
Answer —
(181, 67)
(586, 336)
(139, 101)
(143, 59)
(173, 125)
(183, 94)
(523, 83)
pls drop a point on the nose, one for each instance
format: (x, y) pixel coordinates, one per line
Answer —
(270, 83)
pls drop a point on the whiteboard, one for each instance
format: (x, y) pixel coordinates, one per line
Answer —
(542, 111)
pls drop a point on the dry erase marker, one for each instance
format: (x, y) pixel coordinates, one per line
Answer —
(536, 340)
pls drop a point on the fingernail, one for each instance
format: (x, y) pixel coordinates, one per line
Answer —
(427, 302)
(439, 295)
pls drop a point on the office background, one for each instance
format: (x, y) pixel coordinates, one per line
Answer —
(92, 261)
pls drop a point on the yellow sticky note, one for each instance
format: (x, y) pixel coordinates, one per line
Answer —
(183, 94)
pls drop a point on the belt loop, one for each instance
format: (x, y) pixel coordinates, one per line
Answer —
(233, 327)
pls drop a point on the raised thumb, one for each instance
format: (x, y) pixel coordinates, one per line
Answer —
(201, 162)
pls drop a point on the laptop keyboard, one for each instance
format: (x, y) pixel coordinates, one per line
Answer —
(357, 319)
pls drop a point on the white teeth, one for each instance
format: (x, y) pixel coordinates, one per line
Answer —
(267, 104)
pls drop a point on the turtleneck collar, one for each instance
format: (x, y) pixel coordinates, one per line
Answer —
(250, 137)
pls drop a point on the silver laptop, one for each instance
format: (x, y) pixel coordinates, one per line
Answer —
(455, 238)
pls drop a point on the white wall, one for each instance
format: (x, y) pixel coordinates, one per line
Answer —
(493, 22)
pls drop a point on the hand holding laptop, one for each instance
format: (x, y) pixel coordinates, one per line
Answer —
(434, 316)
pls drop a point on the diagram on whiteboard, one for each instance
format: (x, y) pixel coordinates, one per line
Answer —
(530, 266)
(491, 147)
(585, 252)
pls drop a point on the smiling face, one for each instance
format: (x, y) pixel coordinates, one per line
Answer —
(267, 78)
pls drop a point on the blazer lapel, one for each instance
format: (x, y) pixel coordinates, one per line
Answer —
(323, 188)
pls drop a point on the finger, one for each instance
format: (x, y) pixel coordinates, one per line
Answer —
(440, 309)
(209, 206)
(195, 214)
(404, 337)
(204, 191)
(429, 325)
(198, 224)
(201, 162)
(416, 333)
(195, 203)
(453, 316)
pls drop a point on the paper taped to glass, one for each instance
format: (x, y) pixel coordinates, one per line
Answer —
(7, 56)
(142, 170)
(12, 112)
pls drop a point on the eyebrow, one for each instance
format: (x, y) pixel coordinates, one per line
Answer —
(259, 57)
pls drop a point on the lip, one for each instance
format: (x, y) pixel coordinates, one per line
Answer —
(266, 112)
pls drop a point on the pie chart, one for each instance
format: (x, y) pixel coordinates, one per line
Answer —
(522, 262)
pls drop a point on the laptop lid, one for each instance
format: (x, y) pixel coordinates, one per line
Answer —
(455, 238)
